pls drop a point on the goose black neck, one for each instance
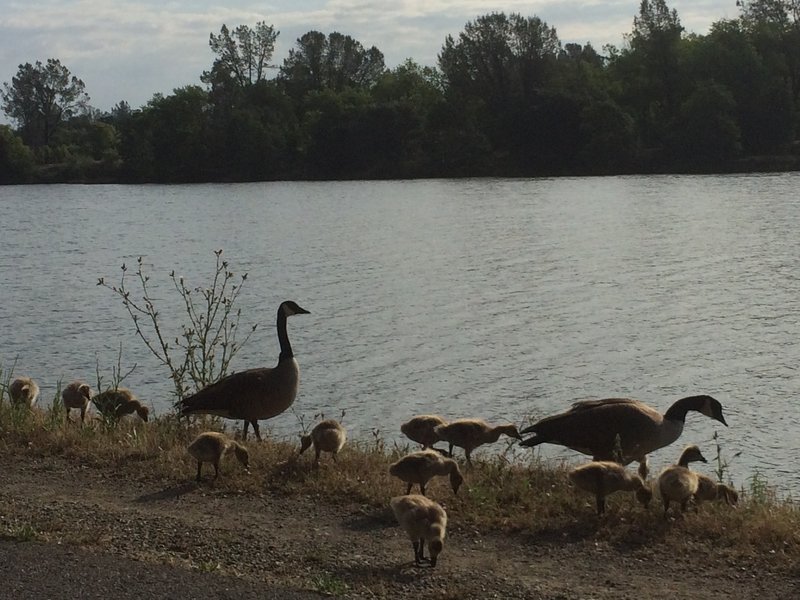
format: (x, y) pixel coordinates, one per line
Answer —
(283, 337)
(677, 412)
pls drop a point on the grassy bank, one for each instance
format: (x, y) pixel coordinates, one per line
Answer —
(501, 492)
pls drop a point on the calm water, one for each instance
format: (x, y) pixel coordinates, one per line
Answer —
(504, 299)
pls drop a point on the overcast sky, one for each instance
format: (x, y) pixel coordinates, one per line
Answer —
(131, 49)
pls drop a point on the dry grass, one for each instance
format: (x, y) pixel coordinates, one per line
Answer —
(501, 492)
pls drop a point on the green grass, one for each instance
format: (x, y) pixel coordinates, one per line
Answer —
(510, 491)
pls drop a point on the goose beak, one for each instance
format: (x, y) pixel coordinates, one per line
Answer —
(722, 420)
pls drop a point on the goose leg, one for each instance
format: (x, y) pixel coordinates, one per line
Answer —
(256, 429)
(450, 452)
(408, 489)
(316, 459)
(468, 454)
(422, 488)
(216, 469)
(417, 558)
(601, 504)
(199, 470)
(244, 430)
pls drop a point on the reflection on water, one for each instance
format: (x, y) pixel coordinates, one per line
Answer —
(504, 299)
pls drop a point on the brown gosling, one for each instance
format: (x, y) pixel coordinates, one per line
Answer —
(677, 483)
(327, 436)
(423, 521)
(117, 403)
(420, 429)
(211, 446)
(420, 467)
(708, 489)
(602, 478)
(24, 391)
(76, 395)
(471, 433)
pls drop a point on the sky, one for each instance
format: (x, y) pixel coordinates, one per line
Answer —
(131, 49)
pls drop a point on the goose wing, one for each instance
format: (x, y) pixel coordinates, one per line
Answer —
(252, 394)
(591, 427)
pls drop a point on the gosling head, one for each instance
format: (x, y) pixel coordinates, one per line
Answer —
(243, 456)
(305, 443)
(691, 454)
(436, 545)
(143, 412)
(85, 391)
(727, 493)
(643, 493)
(510, 431)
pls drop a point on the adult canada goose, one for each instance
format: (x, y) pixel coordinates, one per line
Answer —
(420, 429)
(592, 427)
(677, 483)
(76, 395)
(471, 433)
(423, 521)
(602, 478)
(420, 467)
(708, 489)
(23, 391)
(327, 436)
(211, 446)
(255, 394)
(115, 404)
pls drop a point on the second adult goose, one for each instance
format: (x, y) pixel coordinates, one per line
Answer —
(593, 426)
(255, 394)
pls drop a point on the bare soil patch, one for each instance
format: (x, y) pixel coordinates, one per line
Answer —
(101, 529)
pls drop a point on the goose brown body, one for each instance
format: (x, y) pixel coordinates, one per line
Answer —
(23, 391)
(424, 521)
(678, 483)
(326, 436)
(602, 478)
(118, 403)
(212, 446)
(421, 429)
(593, 426)
(254, 394)
(471, 433)
(77, 394)
(420, 467)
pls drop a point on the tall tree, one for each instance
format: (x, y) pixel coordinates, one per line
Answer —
(41, 97)
(333, 62)
(242, 55)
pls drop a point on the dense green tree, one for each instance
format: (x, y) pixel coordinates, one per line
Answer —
(333, 62)
(243, 55)
(16, 159)
(41, 97)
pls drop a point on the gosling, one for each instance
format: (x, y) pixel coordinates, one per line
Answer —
(24, 391)
(211, 446)
(677, 483)
(117, 403)
(471, 433)
(420, 467)
(76, 395)
(602, 478)
(424, 521)
(708, 489)
(420, 429)
(327, 436)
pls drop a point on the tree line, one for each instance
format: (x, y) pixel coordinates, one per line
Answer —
(506, 98)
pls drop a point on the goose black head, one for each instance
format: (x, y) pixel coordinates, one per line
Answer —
(290, 307)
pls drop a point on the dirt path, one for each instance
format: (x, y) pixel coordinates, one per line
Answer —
(101, 530)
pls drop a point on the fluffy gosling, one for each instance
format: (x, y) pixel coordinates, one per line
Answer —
(677, 483)
(420, 467)
(420, 429)
(327, 436)
(602, 478)
(471, 433)
(117, 403)
(211, 446)
(708, 489)
(23, 391)
(76, 395)
(423, 521)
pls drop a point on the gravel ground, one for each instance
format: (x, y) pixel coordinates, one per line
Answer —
(70, 531)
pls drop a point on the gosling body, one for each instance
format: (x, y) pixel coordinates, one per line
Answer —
(678, 483)
(421, 429)
(23, 391)
(212, 446)
(115, 404)
(327, 436)
(420, 467)
(708, 489)
(602, 478)
(424, 521)
(472, 433)
(76, 395)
